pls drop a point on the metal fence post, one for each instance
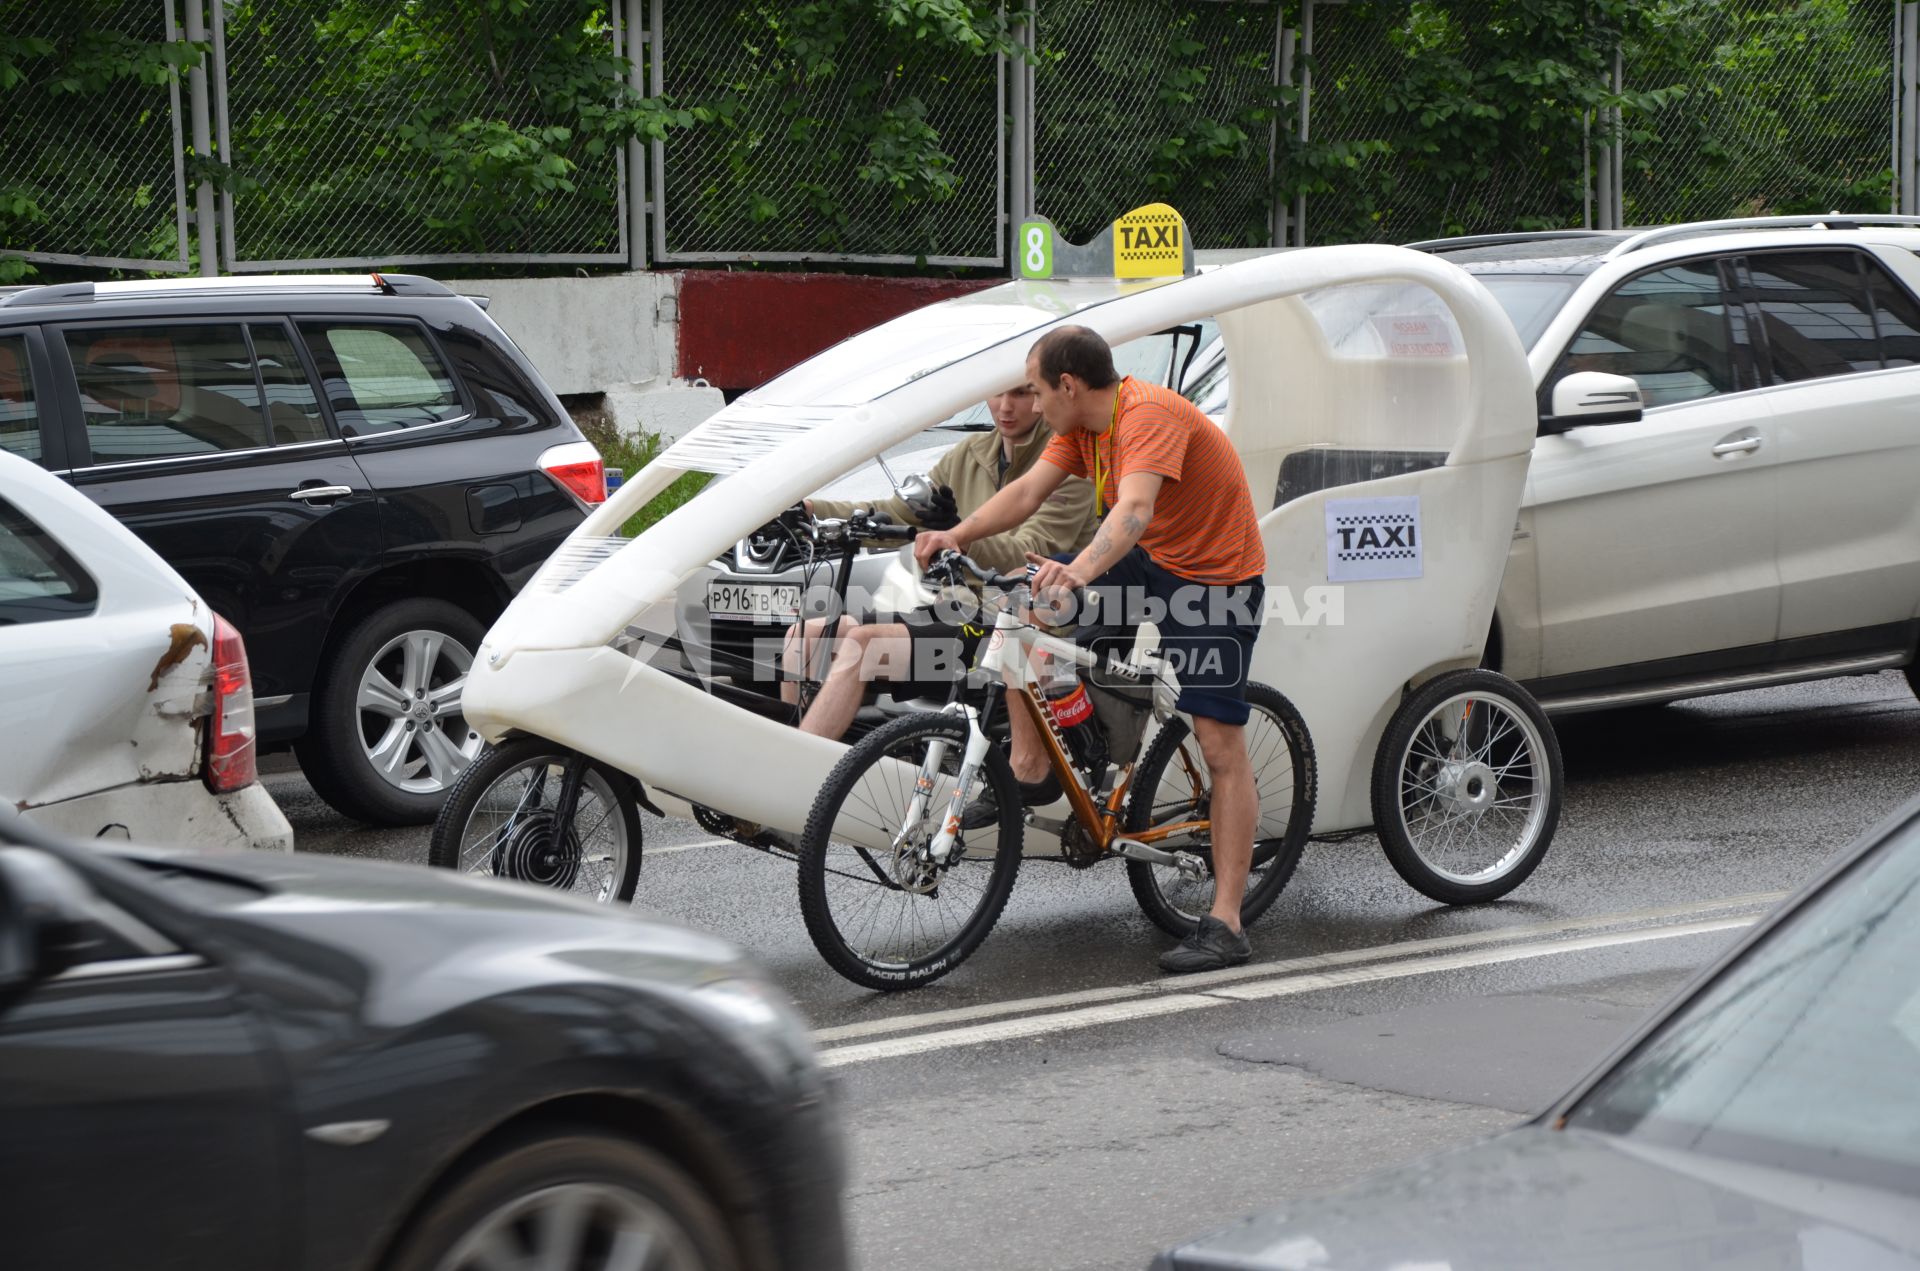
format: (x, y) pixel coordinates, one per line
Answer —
(223, 127)
(657, 33)
(1897, 200)
(1619, 141)
(1604, 177)
(638, 37)
(1019, 157)
(202, 141)
(1907, 113)
(1586, 169)
(1278, 221)
(1023, 120)
(1306, 114)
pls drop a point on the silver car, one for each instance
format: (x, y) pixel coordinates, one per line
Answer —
(1769, 1118)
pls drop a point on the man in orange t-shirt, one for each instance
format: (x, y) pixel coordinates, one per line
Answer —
(1179, 531)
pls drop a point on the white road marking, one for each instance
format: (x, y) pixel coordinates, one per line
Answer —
(1280, 986)
(1343, 957)
(1459, 961)
(986, 1010)
(1027, 1026)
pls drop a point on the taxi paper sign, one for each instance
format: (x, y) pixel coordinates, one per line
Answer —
(1148, 242)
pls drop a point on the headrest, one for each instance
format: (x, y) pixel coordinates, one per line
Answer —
(128, 381)
(1673, 328)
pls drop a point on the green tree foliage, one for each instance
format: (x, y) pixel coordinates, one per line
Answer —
(838, 126)
(1158, 100)
(1468, 114)
(86, 165)
(1474, 115)
(1783, 109)
(805, 127)
(456, 126)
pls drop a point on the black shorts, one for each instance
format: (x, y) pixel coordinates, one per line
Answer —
(1206, 630)
(943, 651)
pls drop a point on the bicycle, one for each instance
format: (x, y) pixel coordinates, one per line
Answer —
(884, 848)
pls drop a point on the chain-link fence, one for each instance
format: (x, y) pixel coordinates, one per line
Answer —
(1492, 174)
(833, 138)
(1783, 107)
(356, 132)
(91, 165)
(391, 131)
(1140, 101)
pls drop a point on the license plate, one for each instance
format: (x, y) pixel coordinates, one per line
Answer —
(766, 601)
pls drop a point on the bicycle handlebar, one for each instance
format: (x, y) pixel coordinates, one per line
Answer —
(862, 527)
(950, 560)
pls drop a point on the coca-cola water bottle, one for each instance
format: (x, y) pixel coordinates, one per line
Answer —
(1072, 710)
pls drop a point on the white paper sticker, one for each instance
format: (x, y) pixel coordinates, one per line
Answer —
(1415, 334)
(1371, 539)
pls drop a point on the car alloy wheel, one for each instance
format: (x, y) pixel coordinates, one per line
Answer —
(575, 1227)
(408, 706)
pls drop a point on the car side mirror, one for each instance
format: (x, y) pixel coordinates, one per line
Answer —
(46, 916)
(1593, 397)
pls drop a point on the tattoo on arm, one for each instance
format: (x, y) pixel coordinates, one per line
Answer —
(1102, 544)
(1132, 526)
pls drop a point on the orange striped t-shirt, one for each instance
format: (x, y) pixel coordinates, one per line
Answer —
(1203, 527)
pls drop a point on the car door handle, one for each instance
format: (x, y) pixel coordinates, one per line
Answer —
(311, 493)
(1736, 447)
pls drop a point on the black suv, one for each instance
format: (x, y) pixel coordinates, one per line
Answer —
(356, 471)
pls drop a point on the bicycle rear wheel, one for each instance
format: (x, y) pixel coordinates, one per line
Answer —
(1173, 785)
(890, 918)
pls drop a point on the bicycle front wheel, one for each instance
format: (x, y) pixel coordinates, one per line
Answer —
(1174, 786)
(890, 918)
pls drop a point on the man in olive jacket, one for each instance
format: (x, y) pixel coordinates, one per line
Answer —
(883, 646)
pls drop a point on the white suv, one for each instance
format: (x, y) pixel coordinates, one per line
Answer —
(1758, 521)
(126, 707)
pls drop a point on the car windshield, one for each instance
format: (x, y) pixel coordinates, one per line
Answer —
(1160, 359)
(1806, 1055)
(1531, 300)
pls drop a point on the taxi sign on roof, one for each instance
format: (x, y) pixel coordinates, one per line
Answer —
(1148, 242)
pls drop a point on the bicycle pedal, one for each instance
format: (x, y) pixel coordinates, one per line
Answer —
(1186, 862)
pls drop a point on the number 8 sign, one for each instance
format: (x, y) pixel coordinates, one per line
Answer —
(1036, 250)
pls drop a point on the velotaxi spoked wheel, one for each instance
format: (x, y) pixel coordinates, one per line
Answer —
(879, 909)
(1172, 785)
(1466, 787)
(502, 820)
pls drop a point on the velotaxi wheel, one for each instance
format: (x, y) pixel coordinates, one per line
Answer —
(1466, 787)
(502, 820)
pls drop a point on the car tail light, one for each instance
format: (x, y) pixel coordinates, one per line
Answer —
(578, 469)
(230, 750)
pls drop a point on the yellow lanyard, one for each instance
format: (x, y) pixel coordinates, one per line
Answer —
(1099, 470)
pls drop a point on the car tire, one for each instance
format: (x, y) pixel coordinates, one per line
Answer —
(417, 649)
(614, 1189)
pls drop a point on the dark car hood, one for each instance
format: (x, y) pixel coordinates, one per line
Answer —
(1571, 1201)
(408, 919)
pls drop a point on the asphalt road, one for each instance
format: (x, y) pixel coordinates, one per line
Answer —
(1054, 1103)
